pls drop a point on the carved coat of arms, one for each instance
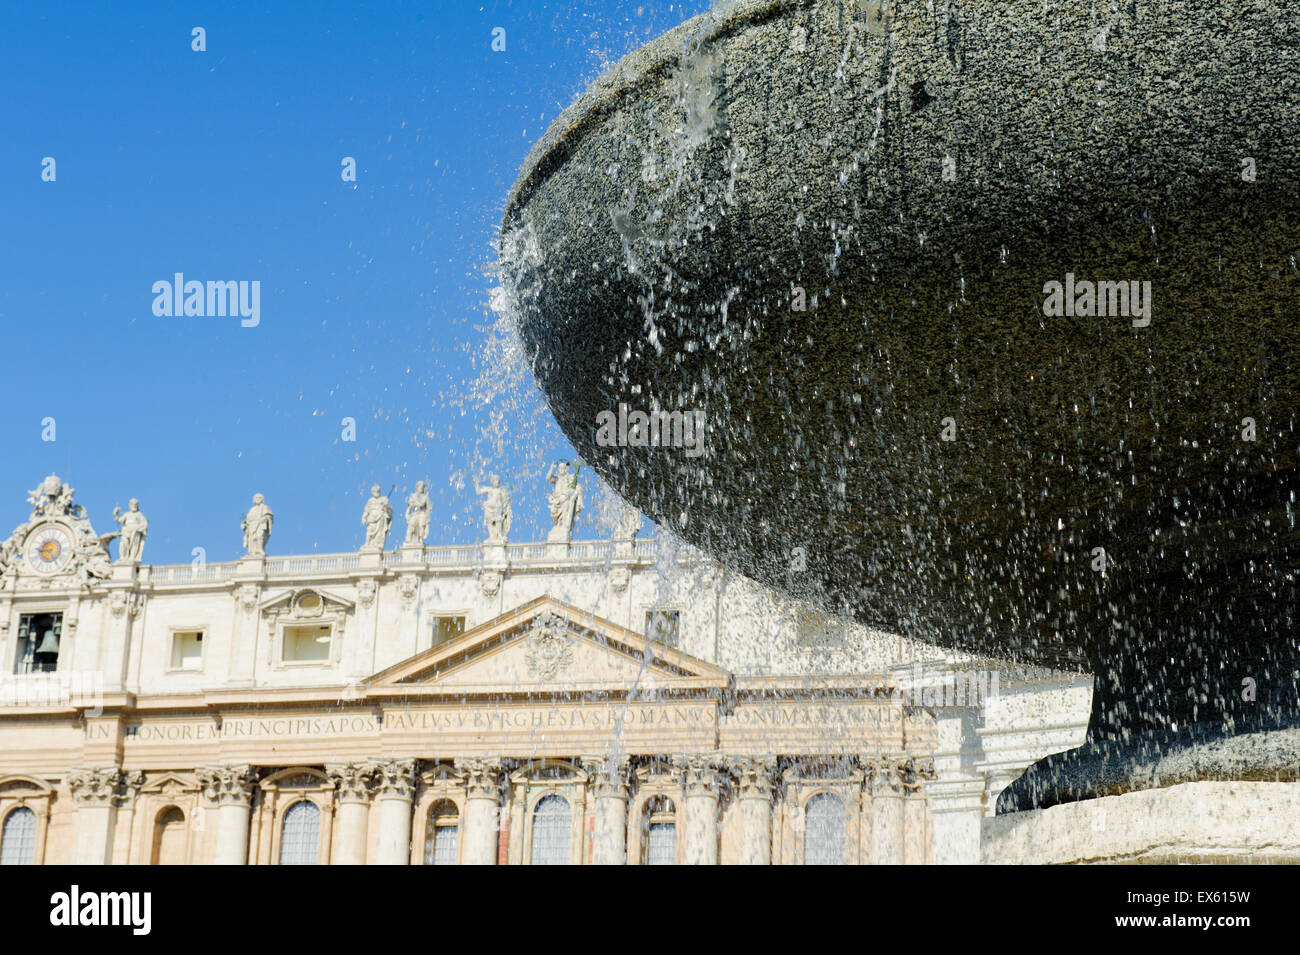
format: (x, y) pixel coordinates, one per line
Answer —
(550, 648)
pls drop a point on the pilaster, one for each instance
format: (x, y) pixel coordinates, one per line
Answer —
(886, 787)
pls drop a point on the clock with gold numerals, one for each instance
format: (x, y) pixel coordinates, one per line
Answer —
(49, 549)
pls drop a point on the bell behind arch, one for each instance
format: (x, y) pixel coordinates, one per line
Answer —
(49, 645)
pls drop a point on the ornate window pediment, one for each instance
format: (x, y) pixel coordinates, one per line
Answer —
(551, 771)
(306, 604)
(303, 837)
(304, 627)
(24, 815)
(17, 787)
(170, 784)
(298, 779)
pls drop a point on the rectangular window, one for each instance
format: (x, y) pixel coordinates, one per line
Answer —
(663, 626)
(39, 635)
(187, 650)
(440, 849)
(447, 628)
(661, 844)
(307, 644)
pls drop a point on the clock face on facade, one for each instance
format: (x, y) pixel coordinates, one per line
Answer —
(49, 549)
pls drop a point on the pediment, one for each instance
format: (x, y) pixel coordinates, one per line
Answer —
(306, 603)
(170, 784)
(23, 786)
(547, 646)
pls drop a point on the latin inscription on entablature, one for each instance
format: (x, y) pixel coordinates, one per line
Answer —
(171, 732)
(821, 726)
(359, 724)
(240, 728)
(610, 717)
(770, 726)
(480, 723)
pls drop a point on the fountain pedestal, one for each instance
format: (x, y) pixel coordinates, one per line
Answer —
(1194, 683)
(1190, 823)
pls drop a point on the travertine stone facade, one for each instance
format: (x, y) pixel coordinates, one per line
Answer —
(491, 704)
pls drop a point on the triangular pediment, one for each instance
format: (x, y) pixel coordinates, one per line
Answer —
(547, 646)
(305, 603)
(170, 783)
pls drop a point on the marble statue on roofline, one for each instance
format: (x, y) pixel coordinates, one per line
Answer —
(257, 527)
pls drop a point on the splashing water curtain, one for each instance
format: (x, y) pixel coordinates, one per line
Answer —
(988, 309)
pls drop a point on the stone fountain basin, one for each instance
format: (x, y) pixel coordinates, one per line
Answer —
(914, 174)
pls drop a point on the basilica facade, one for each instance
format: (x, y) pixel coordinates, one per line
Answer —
(620, 701)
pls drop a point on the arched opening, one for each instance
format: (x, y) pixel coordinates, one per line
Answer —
(18, 837)
(825, 825)
(552, 831)
(443, 838)
(300, 834)
(169, 838)
(659, 828)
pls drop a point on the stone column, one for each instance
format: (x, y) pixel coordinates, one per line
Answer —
(96, 793)
(352, 795)
(755, 778)
(916, 826)
(887, 813)
(230, 789)
(700, 788)
(482, 802)
(395, 793)
(608, 781)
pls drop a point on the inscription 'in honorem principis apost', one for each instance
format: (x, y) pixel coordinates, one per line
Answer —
(505, 719)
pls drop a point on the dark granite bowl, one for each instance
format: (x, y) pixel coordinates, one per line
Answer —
(1119, 488)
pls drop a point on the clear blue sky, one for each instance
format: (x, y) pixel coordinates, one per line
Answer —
(225, 165)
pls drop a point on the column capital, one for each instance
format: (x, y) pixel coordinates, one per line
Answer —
(755, 776)
(885, 776)
(395, 779)
(913, 773)
(132, 783)
(104, 786)
(354, 782)
(227, 785)
(607, 776)
(700, 775)
(482, 777)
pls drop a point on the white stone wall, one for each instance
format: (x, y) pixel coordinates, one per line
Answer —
(124, 626)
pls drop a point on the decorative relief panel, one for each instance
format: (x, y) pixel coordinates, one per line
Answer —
(550, 647)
